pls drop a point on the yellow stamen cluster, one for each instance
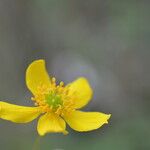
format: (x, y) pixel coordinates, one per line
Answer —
(54, 98)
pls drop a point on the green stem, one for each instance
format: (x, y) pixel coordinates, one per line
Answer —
(36, 144)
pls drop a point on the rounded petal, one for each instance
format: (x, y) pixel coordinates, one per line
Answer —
(18, 114)
(82, 91)
(50, 122)
(36, 75)
(86, 121)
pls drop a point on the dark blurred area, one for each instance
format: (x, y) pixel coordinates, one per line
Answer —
(103, 40)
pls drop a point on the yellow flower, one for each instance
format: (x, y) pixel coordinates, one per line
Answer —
(55, 103)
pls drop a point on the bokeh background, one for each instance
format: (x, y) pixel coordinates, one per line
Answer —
(103, 40)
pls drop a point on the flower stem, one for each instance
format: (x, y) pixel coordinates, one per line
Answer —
(36, 144)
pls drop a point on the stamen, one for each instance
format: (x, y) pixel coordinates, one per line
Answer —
(54, 98)
(32, 98)
(61, 83)
(53, 80)
(36, 104)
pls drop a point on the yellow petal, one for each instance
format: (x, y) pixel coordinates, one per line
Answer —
(51, 123)
(18, 114)
(36, 75)
(82, 91)
(86, 121)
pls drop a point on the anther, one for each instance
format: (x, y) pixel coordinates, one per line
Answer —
(32, 98)
(36, 104)
(53, 79)
(61, 83)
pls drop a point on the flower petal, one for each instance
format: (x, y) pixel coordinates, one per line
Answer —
(86, 121)
(36, 75)
(18, 114)
(82, 91)
(51, 123)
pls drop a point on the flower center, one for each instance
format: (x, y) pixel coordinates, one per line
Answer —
(53, 100)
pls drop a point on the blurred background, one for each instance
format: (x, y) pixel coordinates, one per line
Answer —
(103, 40)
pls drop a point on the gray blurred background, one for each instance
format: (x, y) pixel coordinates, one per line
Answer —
(103, 40)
